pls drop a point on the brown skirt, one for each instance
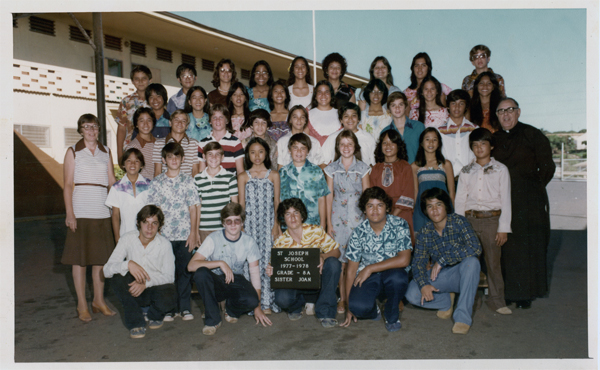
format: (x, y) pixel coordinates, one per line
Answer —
(91, 244)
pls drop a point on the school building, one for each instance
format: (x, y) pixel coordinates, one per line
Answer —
(54, 79)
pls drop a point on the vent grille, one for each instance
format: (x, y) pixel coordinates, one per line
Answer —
(39, 135)
(164, 54)
(188, 59)
(76, 35)
(245, 74)
(41, 25)
(208, 65)
(71, 137)
(112, 42)
(138, 48)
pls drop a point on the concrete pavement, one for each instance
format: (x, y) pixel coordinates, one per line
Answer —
(556, 327)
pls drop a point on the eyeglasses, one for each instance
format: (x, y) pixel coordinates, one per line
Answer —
(187, 76)
(90, 127)
(507, 110)
(258, 73)
(377, 92)
(479, 56)
(223, 70)
(237, 222)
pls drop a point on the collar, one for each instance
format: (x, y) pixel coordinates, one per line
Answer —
(125, 185)
(169, 137)
(475, 74)
(221, 172)
(144, 142)
(81, 145)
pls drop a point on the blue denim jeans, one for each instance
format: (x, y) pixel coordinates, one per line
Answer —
(183, 278)
(240, 295)
(389, 284)
(293, 300)
(461, 278)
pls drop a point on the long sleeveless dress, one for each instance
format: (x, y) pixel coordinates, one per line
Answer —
(259, 223)
(428, 178)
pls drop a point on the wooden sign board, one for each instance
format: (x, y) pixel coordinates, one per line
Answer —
(295, 268)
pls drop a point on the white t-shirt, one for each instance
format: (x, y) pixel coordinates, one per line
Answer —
(300, 100)
(325, 122)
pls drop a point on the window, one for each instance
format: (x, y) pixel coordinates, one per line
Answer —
(164, 54)
(208, 65)
(245, 74)
(39, 135)
(71, 137)
(41, 25)
(76, 35)
(114, 67)
(112, 42)
(137, 48)
(189, 59)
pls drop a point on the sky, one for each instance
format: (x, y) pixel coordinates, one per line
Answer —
(541, 53)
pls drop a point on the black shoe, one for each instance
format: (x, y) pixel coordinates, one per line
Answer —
(524, 304)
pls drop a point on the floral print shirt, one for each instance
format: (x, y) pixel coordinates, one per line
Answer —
(367, 248)
(309, 185)
(174, 196)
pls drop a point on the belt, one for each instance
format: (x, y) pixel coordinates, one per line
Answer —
(86, 184)
(483, 214)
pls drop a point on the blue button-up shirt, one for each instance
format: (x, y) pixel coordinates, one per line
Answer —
(412, 131)
(458, 241)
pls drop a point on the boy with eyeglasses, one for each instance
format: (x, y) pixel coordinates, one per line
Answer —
(480, 57)
(218, 267)
(186, 75)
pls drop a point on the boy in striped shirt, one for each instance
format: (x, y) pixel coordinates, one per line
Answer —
(216, 188)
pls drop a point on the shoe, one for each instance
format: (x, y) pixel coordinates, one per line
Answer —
(155, 324)
(104, 309)
(137, 333)
(504, 311)
(310, 309)
(84, 315)
(525, 304)
(230, 319)
(460, 328)
(168, 317)
(294, 316)
(378, 317)
(328, 322)
(395, 326)
(448, 313)
(210, 330)
(267, 311)
(187, 315)
(341, 307)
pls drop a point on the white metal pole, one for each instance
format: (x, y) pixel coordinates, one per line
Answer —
(314, 49)
(562, 161)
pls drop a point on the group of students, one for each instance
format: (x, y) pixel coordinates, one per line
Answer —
(300, 167)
